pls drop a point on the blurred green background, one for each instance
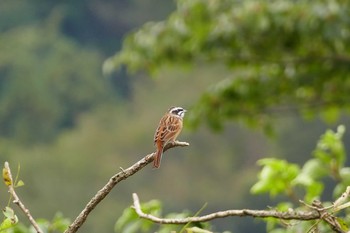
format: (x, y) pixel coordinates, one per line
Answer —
(70, 127)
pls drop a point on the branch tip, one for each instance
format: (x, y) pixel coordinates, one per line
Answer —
(17, 201)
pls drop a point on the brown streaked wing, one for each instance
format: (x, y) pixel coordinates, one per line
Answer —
(159, 134)
(168, 129)
(174, 126)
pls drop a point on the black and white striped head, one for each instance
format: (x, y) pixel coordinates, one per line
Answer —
(178, 111)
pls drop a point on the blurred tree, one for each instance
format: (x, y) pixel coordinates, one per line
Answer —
(46, 80)
(45, 75)
(98, 23)
(284, 55)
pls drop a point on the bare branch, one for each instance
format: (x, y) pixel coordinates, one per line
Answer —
(289, 215)
(115, 179)
(7, 175)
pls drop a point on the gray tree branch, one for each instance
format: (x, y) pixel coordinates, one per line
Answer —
(289, 215)
(316, 212)
(112, 182)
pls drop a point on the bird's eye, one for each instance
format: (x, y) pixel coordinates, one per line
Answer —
(177, 111)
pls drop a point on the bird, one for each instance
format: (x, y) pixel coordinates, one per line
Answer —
(169, 128)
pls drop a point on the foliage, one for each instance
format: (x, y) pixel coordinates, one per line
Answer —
(280, 177)
(129, 221)
(56, 225)
(277, 177)
(11, 224)
(44, 79)
(283, 55)
(10, 219)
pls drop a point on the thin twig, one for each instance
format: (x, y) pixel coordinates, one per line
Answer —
(11, 186)
(289, 215)
(326, 216)
(327, 213)
(196, 214)
(338, 204)
(115, 179)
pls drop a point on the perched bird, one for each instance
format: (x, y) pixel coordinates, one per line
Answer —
(169, 128)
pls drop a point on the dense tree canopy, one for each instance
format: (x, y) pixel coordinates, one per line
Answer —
(283, 55)
(43, 80)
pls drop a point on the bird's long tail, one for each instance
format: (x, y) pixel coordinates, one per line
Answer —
(158, 156)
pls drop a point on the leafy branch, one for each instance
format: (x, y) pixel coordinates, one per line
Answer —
(316, 212)
(301, 185)
(10, 183)
(289, 215)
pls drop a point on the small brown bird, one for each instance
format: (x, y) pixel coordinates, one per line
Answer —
(168, 129)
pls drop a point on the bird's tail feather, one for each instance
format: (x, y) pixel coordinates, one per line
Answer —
(158, 156)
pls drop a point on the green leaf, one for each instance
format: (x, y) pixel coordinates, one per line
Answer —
(275, 177)
(284, 206)
(8, 212)
(309, 177)
(59, 223)
(10, 220)
(345, 175)
(128, 216)
(330, 150)
(342, 224)
(7, 223)
(19, 183)
(313, 191)
(313, 169)
(340, 188)
(130, 222)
